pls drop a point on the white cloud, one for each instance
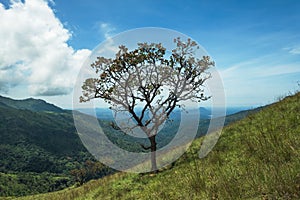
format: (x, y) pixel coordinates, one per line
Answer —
(281, 69)
(295, 50)
(109, 47)
(107, 30)
(34, 50)
(259, 80)
(265, 66)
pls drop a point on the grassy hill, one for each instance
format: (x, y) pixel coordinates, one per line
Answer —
(255, 158)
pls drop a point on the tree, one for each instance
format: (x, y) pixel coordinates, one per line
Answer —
(149, 83)
(90, 170)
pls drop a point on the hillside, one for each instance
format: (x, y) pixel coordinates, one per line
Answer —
(27, 135)
(39, 147)
(255, 158)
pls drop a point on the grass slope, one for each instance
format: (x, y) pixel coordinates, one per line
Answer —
(255, 158)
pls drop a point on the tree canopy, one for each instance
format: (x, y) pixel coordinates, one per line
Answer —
(149, 83)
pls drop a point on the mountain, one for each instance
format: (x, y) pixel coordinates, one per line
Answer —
(39, 147)
(29, 104)
(101, 113)
(205, 112)
(106, 117)
(257, 157)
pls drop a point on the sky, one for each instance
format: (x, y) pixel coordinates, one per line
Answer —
(255, 44)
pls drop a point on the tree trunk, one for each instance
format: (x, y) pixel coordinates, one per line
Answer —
(153, 154)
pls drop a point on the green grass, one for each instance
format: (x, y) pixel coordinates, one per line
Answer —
(255, 158)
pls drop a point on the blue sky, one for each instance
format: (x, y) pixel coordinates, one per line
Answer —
(255, 44)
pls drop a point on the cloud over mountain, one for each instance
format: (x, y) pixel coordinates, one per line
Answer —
(34, 50)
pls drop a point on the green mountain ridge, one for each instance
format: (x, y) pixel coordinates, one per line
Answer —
(39, 147)
(30, 104)
(257, 157)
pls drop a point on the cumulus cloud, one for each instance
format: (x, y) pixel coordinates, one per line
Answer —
(34, 50)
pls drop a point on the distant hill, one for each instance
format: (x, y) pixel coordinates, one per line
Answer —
(169, 130)
(257, 157)
(205, 113)
(30, 104)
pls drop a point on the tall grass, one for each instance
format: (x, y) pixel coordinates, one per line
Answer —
(258, 157)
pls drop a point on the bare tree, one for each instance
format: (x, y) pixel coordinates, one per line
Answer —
(149, 83)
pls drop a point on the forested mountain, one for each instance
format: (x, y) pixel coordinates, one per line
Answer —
(39, 147)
